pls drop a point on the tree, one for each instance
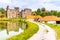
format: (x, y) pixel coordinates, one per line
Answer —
(42, 12)
(43, 9)
(53, 12)
(48, 14)
(38, 11)
(2, 10)
(58, 14)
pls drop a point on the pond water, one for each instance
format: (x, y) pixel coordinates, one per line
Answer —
(9, 29)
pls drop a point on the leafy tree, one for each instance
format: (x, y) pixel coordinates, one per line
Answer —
(2, 10)
(43, 9)
(58, 14)
(43, 13)
(48, 14)
(53, 12)
(38, 11)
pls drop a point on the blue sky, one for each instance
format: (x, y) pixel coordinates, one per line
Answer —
(33, 4)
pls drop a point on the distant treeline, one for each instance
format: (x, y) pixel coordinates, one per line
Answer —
(43, 12)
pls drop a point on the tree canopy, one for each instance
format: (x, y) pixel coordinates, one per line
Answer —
(42, 12)
(2, 10)
(38, 11)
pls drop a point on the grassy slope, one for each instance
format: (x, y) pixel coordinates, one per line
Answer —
(30, 31)
(56, 27)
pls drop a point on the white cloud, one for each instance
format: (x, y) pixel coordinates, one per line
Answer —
(5, 1)
(33, 4)
(50, 6)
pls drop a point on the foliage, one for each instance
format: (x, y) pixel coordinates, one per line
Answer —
(38, 12)
(30, 31)
(53, 12)
(58, 14)
(2, 13)
(2, 10)
(42, 12)
(43, 9)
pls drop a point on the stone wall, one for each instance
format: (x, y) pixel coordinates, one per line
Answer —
(12, 13)
(26, 12)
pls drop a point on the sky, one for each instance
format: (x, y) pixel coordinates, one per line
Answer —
(33, 4)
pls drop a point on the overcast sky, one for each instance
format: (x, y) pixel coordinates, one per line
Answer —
(33, 4)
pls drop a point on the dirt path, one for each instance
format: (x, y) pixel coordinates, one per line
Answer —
(44, 33)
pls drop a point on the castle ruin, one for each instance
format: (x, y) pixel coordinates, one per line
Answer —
(14, 13)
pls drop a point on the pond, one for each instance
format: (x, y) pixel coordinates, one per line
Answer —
(9, 29)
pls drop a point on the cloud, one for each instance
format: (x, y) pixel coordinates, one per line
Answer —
(5, 1)
(33, 4)
(52, 5)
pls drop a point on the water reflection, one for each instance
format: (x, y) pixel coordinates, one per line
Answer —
(2, 26)
(12, 26)
(8, 29)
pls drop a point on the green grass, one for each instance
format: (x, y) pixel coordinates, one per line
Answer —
(2, 19)
(12, 19)
(56, 27)
(29, 32)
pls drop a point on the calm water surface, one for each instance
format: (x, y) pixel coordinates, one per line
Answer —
(8, 29)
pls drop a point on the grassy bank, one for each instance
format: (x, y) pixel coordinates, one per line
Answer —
(56, 27)
(30, 31)
(9, 19)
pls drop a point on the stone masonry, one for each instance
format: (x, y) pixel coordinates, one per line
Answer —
(26, 12)
(14, 13)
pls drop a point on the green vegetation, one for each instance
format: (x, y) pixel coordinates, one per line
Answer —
(2, 13)
(2, 10)
(56, 27)
(9, 19)
(43, 12)
(30, 31)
